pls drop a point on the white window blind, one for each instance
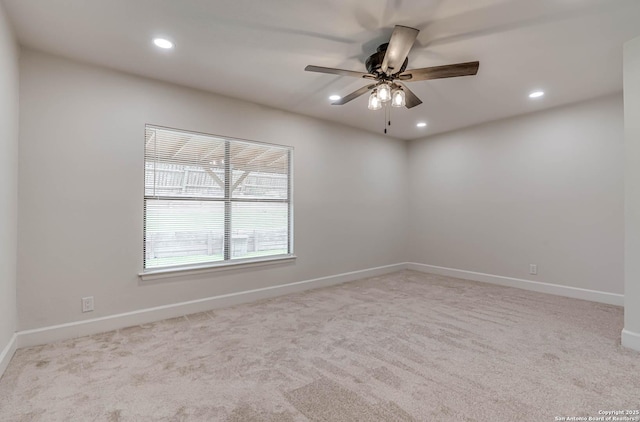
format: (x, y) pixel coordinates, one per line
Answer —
(211, 199)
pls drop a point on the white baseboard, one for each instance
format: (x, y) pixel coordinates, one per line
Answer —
(113, 322)
(631, 340)
(7, 353)
(536, 286)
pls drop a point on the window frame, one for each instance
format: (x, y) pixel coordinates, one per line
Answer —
(228, 262)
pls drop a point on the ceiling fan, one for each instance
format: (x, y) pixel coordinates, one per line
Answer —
(387, 71)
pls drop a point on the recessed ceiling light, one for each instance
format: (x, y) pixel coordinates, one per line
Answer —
(334, 97)
(163, 43)
(421, 124)
(536, 94)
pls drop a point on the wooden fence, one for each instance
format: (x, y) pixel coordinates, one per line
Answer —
(190, 243)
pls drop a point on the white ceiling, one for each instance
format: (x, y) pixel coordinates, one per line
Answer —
(257, 50)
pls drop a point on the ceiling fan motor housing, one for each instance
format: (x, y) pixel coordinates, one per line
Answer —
(374, 62)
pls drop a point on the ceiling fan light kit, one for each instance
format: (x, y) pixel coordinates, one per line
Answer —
(387, 67)
(385, 93)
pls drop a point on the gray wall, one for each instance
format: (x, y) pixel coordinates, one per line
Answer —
(631, 335)
(8, 178)
(545, 189)
(81, 184)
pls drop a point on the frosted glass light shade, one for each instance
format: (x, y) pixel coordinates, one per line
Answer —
(374, 101)
(398, 98)
(384, 92)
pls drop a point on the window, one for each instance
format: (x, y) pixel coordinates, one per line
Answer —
(212, 200)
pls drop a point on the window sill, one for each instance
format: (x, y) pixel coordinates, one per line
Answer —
(208, 268)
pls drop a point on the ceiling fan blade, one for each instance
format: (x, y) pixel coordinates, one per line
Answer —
(440, 72)
(410, 98)
(401, 42)
(353, 95)
(340, 72)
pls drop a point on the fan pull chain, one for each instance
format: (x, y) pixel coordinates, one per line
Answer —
(387, 116)
(384, 116)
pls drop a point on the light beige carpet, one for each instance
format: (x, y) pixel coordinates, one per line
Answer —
(401, 347)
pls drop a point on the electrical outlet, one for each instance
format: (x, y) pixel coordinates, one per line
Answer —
(533, 269)
(87, 304)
